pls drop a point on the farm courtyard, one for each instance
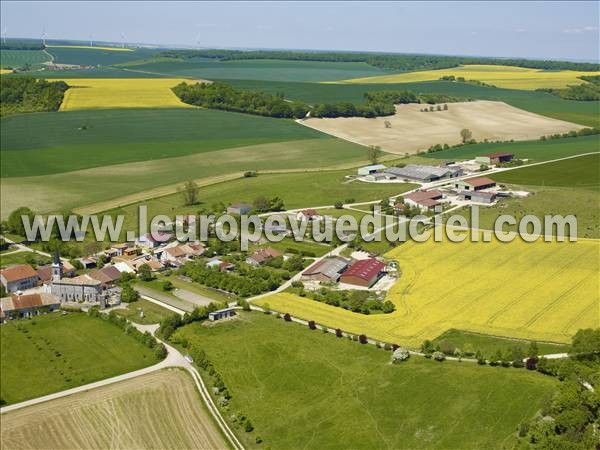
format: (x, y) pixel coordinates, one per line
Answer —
(412, 130)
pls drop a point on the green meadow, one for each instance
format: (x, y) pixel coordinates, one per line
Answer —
(52, 352)
(20, 58)
(301, 387)
(271, 70)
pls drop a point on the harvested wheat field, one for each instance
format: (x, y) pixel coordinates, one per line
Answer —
(105, 93)
(542, 290)
(412, 130)
(160, 410)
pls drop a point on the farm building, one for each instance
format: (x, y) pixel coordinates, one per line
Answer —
(364, 273)
(423, 174)
(380, 176)
(239, 208)
(423, 199)
(308, 214)
(474, 184)
(327, 270)
(28, 305)
(262, 256)
(153, 240)
(221, 314)
(495, 158)
(479, 196)
(367, 170)
(18, 278)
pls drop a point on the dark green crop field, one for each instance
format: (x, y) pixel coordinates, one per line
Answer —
(534, 150)
(300, 387)
(46, 143)
(19, 58)
(95, 57)
(262, 69)
(582, 172)
(584, 113)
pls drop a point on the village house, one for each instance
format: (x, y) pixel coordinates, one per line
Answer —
(365, 272)
(474, 184)
(107, 276)
(368, 170)
(17, 306)
(153, 240)
(239, 208)
(327, 270)
(45, 272)
(180, 253)
(495, 158)
(427, 200)
(220, 265)
(19, 278)
(308, 214)
(262, 256)
(89, 262)
(119, 249)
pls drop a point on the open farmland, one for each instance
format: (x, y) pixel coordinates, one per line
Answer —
(159, 410)
(542, 290)
(500, 76)
(20, 58)
(303, 388)
(105, 93)
(97, 56)
(274, 70)
(584, 113)
(413, 130)
(535, 151)
(581, 172)
(61, 352)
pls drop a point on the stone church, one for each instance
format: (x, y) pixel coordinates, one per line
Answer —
(82, 288)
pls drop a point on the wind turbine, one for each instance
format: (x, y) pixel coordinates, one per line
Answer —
(198, 39)
(122, 40)
(4, 35)
(91, 41)
(44, 38)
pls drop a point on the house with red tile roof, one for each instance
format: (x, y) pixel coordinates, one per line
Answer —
(18, 278)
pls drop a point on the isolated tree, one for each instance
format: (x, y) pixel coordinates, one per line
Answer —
(189, 192)
(533, 350)
(466, 135)
(128, 294)
(445, 107)
(387, 124)
(261, 204)
(374, 153)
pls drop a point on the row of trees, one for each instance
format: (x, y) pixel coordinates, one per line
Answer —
(27, 94)
(588, 92)
(396, 62)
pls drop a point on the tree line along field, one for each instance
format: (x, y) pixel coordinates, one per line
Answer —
(20, 58)
(500, 76)
(158, 410)
(534, 151)
(297, 190)
(584, 113)
(542, 290)
(61, 352)
(301, 387)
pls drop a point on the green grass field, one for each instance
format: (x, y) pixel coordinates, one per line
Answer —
(22, 258)
(19, 58)
(95, 57)
(489, 345)
(68, 141)
(301, 246)
(582, 172)
(583, 203)
(101, 72)
(52, 353)
(297, 190)
(302, 387)
(585, 113)
(153, 313)
(533, 150)
(274, 70)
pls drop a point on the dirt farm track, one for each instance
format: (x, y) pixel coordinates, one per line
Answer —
(412, 130)
(159, 410)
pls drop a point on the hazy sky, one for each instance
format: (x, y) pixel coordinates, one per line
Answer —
(525, 29)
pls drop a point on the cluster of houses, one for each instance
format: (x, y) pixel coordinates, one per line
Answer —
(363, 272)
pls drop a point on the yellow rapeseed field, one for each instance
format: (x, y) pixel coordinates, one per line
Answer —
(96, 93)
(4, 71)
(90, 47)
(543, 291)
(501, 76)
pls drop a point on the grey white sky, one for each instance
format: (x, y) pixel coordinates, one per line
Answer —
(558, 30)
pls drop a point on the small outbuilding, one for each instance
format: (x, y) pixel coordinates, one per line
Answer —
(239, 208)
(367, 170)
(474, 184)
(495, 158)
(221, 314)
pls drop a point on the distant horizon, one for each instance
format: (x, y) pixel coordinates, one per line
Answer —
(550, 30)
(176, 46)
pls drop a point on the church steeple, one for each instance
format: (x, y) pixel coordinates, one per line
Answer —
(56, 266)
